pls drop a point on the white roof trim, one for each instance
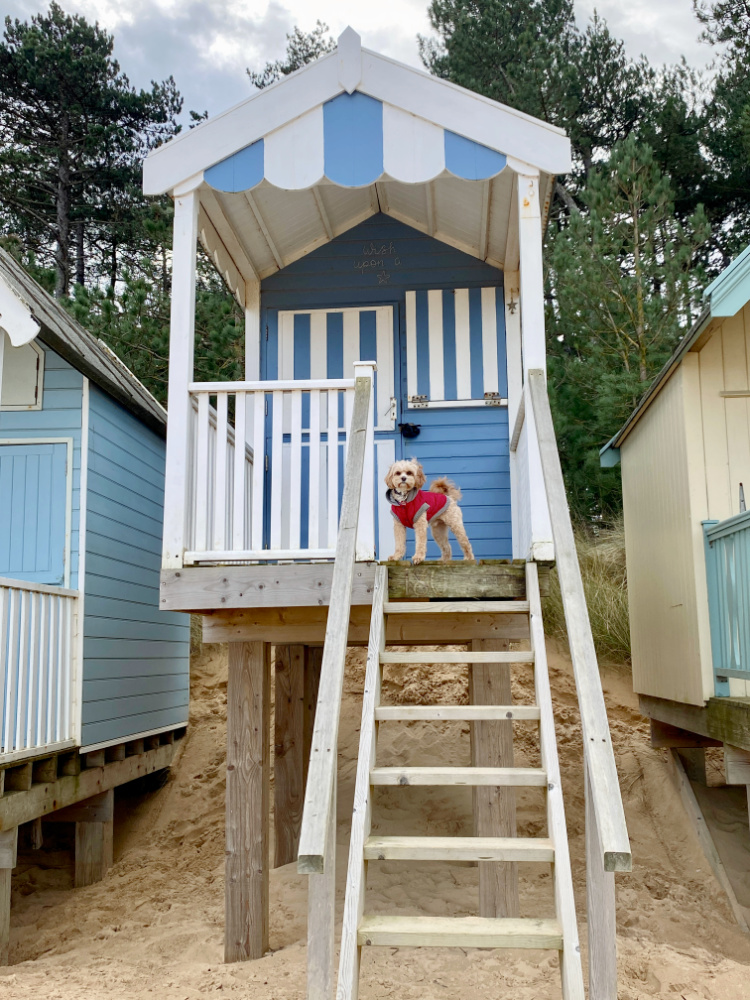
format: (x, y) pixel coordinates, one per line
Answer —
(494, 125)
(16, 317)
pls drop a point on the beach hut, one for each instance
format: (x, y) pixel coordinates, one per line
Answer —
(93, 676)
(685, 457)
(382, 231)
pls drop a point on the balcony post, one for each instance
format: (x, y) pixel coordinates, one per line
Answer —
(181, 350)
(365, 550)
(531, 285)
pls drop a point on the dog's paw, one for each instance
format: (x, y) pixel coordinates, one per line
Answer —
(416, 560)
(393, 558)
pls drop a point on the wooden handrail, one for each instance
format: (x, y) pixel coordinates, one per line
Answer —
(321, 778)
(606, 800)
(286, 385)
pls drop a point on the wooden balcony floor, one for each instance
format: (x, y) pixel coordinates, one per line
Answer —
(289, 603)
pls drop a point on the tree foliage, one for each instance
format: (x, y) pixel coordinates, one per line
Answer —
(301, 48)
(625, 280)
(72, 135)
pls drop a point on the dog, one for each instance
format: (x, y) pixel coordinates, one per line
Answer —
(413, 507)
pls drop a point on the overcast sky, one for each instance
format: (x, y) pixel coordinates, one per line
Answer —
(207, 44)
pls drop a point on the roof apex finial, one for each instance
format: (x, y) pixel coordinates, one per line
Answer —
(350, 59)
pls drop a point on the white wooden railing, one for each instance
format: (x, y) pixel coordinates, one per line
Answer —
(38, 627)
(607, 842)
(296, 436)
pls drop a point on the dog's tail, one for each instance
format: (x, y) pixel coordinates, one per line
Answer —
(446, 486)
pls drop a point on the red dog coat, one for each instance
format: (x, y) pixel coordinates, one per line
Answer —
(415, 504)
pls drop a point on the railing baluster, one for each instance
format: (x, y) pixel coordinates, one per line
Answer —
(32, 697)
(259, 469)
(221, 448)
(54, 642)
(277, 468)
(203, 475)
(348, 409)
(64, 684)
(238, 483)
(333, 467)
(313, 513)
(6, 661)
(23, 668)
(295, 473)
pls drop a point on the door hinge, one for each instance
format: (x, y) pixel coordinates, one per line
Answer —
(266, 463)
(393, 409)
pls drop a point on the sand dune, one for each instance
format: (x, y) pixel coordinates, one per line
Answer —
(154, 926)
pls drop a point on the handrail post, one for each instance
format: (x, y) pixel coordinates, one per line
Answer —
(600, 908)
(181, 350)
(607, 843)
(317, 844)
(366, 528)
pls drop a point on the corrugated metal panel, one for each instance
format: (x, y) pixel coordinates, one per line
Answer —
(136, 658)
(60, 417)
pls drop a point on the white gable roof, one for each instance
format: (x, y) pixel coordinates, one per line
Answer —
(298, 100)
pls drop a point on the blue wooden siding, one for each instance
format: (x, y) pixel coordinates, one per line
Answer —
(135, 657)
(59, 417)
(375, 263)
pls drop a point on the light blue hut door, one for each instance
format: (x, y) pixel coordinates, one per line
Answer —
(34, 500)
(325, 344)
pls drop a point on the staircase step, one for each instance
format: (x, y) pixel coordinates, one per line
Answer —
(467, 932)
(461, 713)
(467, 657)
(456, 607)
(498, 776)
(459, 849)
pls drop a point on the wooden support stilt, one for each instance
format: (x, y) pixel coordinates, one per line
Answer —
(94, 820)
(602, 924)
(312, 684)
(289, 751)
(694, 762)
(8, 850)
(494, 808)
(247, 808)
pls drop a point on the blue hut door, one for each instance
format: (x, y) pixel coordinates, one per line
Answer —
(325, 343)
(33, 512)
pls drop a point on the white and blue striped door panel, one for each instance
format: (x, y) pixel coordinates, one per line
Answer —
(326, 343)
(33, 512)
(455, 348)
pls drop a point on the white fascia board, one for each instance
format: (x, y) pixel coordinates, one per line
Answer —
(468, 114)
(252, 119)
(16, 317)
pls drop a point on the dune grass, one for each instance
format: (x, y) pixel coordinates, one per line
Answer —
(601, 554)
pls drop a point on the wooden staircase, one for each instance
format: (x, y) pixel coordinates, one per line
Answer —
(556, 931)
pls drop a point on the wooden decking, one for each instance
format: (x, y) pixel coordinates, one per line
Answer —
(726, 720)
(72, 787)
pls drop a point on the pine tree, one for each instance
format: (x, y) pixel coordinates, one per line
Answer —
(624, 283)
(301, 48)
(73, 133)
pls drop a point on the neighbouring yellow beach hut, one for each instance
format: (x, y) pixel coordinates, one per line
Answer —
(685, 456)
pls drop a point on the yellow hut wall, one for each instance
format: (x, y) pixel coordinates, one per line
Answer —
(683, 463)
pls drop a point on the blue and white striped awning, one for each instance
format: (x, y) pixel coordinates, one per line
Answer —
(353, 141)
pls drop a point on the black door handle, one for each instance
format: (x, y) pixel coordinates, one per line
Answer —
(410, 430)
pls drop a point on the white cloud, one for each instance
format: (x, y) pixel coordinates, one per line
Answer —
(207, 44)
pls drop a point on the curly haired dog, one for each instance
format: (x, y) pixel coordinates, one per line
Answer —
(413, 507)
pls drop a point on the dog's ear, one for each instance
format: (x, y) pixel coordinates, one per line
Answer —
(419, 473)
(389, 478)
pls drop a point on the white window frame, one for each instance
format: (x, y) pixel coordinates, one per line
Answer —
(37, 404)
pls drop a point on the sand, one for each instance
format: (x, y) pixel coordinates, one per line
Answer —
(154, 925)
